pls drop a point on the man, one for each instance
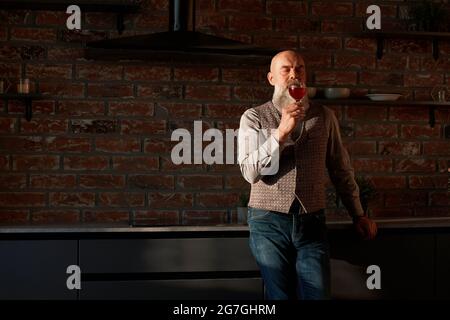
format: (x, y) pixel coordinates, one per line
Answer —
(286, 169)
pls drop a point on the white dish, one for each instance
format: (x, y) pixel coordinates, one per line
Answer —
(383, 96)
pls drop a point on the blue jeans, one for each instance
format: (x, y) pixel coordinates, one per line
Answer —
(292, 253)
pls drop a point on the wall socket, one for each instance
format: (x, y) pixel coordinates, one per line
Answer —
(447, 131)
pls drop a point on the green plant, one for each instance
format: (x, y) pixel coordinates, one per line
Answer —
(243, 200)
(429, 16)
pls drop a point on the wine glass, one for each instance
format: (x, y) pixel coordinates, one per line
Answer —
(297, 90)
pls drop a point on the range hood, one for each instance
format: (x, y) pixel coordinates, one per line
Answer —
(181, 43)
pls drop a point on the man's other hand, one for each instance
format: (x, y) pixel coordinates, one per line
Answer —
(365, 227)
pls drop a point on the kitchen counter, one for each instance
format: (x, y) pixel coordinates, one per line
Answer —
(435, 222)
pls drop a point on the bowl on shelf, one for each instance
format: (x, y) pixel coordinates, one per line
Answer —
(337, 93)
(312, 92)
(383, 96)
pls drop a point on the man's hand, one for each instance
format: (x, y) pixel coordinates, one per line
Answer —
(290, 115)
(365, 227)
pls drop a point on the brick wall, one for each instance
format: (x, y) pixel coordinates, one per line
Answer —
(99, 148)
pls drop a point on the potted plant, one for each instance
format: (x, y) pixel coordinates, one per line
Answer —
(242, 209)
(367, 192)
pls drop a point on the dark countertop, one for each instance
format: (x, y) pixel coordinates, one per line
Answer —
(405, 223)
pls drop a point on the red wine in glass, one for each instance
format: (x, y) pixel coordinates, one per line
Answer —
(297, 92)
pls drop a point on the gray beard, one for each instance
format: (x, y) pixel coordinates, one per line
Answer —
(281, 97)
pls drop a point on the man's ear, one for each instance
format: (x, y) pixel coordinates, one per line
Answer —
(270, 78)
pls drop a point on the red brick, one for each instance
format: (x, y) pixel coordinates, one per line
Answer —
(360, 44)
(343, 9)
(38, 162)
(146, 182)
(236, 182)
(320, 42)
(203, 92)
(85, 163)
(250, 23)
(51, 18)
(63, 89)
(55, 216)
(287, 24)
(10, 70)
(74, 36)
(167, 165)
(110, 90)
(392, 212)
(94, 126)
(443, 115)
(393, 62)
(217, 199)
(246, 93)
(49, 71)
(147, 73)
(170, 200)
(158, 145)
(7, 125)
(406, 198)
(358, 61)
(376, 130)
(106, 216)
(335, 77)
(444, 165)
(409, 46)
(428, 182)
(100, 20)
(135, 163)
(13, 181)
(13, 216)
(440, 199)
(33, 34)
(360, 147)
(388, 182)
(81, 108)
(436, 148)
(415, 165)
(158, 217)
(276, 40)
(197, 217)
(160, 91)
(204, 5)
(182, 110)
(240, 75)
(423, 80)
(152, 21)
(65, 54)
(287, 8)
(225, 111)
(79, 199)
(414, 131)
(366, 113)
(414, 63)
(241, 6)
(372, 165)
(43, 107)
(52, 181)
(381, 78)
(99, 72)
(102, 181)
(143, 126)
(43, 126)
(4, 162)
(203, 182)
(196, 74)
(315, 59)
(3, 33)
(64, 144)
(120, 199)
(343, 26)
(211, 22)
(22, 199)
(117, 145)
(140, 108)
(403, 148)
(408, 114)
(387, 10)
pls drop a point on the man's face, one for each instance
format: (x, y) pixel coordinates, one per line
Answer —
(286, 67)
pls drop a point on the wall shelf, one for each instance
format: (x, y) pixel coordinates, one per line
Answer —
(435, 37)
(121, 7)
(398, 103)
(26, 98)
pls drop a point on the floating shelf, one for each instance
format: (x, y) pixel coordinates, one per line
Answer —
(435, 37)
(121, 7)
(26, 98)
(398, 103)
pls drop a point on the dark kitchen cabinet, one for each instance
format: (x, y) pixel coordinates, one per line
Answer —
(36, 269)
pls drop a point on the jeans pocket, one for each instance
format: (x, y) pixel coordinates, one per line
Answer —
(257, 214)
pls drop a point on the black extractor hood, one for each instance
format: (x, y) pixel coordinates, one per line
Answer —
(180, 43)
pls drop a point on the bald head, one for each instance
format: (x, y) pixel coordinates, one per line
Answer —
(286, 66)
(283, 55)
